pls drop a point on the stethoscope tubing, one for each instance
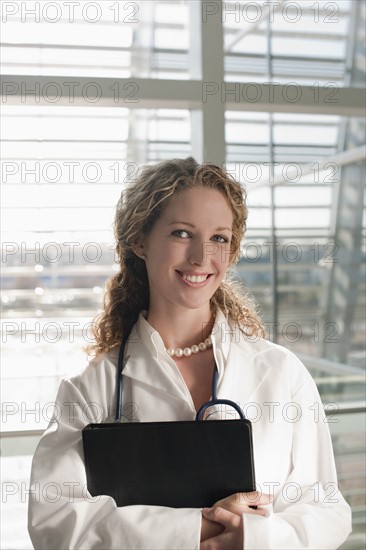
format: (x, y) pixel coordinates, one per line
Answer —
(212, 402)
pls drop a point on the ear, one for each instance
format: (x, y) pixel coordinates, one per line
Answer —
(139, 250)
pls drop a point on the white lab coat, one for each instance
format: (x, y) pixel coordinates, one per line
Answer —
(292, 450)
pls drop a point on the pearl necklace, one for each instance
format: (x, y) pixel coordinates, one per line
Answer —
(179, 352)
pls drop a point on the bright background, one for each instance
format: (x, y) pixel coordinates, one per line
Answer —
(189, 83)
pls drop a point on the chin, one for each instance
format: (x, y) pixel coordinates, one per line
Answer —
(195, 304)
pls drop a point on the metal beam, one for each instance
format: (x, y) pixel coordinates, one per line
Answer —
(343, 290)
(330, 367)
(344, 158)
(208, 118)
(253, 26)
(209, 94)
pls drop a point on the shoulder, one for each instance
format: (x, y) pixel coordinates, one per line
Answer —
(273, 360)
(97, 382)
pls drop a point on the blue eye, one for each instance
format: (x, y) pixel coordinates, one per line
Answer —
(222, 238)
(178, 232)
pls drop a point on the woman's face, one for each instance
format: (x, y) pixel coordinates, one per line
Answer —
(187, 251)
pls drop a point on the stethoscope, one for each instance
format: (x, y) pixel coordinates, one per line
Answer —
(122, 360)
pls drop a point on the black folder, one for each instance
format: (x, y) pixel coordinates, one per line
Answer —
(178, 464)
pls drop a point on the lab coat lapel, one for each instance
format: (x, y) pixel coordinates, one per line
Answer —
(241, 372)
(146, 370)
(244, 373)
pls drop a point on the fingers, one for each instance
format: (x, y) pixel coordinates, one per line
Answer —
(231, 538)
(240, 509)
(228, 519)
(246, 503)
(254, 498)
(210, 529)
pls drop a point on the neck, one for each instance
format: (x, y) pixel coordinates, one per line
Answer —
(181, 328)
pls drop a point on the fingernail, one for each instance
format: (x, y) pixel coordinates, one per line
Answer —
(206, 510)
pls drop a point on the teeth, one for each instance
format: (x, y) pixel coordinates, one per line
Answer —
(195, 278)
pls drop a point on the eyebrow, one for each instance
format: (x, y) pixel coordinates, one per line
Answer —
(191, 225)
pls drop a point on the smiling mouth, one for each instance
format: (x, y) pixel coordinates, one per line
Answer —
(194, 278)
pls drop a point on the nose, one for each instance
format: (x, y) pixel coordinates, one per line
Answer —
(198, 252)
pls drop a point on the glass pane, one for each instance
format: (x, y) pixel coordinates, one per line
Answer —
(103, 39)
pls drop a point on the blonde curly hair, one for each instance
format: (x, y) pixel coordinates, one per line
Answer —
(140, 205)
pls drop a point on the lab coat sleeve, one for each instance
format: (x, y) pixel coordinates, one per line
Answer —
(63, 515)
(308, 511)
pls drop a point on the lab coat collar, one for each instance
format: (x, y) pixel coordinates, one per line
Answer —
(221, 338)
(149, 363)
(221, 334)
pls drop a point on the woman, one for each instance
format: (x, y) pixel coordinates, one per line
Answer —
(178, 232)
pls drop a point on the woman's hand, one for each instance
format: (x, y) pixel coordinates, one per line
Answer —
(222, 525)
(232, 536)
(240, 503)
(210, 529)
